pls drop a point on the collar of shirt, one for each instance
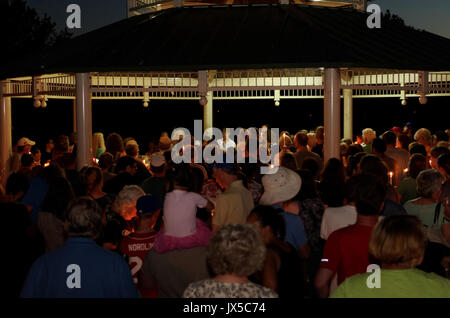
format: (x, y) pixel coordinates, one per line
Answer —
(275, 206)
(235, 184)
(80, 240)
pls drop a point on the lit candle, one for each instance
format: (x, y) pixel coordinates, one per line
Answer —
(390, 177)
(405, 171)
(47, 164)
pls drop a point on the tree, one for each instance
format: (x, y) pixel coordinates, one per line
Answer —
(25, 35)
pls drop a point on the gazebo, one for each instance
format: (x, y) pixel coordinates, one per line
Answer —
(264, 51)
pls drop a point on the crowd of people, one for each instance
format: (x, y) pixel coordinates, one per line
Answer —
(139, 225)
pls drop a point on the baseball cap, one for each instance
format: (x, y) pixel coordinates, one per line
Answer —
(24, 141)
(225, 165)
(396, 129)
(157, 159)
(148, 204)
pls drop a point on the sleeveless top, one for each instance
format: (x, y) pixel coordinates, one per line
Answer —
(289, 277)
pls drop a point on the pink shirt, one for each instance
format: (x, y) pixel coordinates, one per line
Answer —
(180, 209)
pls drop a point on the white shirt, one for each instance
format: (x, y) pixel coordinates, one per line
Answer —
(337, 218)
(180, 209)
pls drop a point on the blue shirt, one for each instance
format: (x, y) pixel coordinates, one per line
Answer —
(79, 269)
(35, 196)
(295, 230)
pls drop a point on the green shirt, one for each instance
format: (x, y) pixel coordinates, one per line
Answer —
(408, 189)
(395, 283)
(425, 213)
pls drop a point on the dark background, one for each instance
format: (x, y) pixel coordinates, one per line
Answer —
(130, 119)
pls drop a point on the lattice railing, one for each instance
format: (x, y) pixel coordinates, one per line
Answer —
(265, 79)
(144, 82)
(290, 83)
(388, 80)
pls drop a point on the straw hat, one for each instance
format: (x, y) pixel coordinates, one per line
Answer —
(280, 186)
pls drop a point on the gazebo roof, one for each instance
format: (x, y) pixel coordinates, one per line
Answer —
(242, 37)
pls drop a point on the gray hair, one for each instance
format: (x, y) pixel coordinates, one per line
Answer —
(84, 218)
(129, 194)
(428, 182)
(236, 249)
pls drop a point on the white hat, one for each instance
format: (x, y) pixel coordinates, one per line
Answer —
(157, 159)
(176, 134)
(280, 186)
(24, 141)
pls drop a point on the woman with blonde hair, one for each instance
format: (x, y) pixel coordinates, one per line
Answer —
(98, 144)
(368, 135)
(397, 245)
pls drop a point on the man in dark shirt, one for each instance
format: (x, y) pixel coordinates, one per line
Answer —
(126, 171)
(132, 150)
(155, 185)
(46, 155)
(69, 162)
(301, 143)
(80, 268)
(27, 244)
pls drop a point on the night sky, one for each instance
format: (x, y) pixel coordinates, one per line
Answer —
(430, 15)
(130, 118)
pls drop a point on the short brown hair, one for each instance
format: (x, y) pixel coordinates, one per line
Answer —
(397, 239)
(301, 138)
(106, 160)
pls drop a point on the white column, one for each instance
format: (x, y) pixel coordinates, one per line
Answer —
(348, 113)
(84, 119)
(5, 132)
(332, 113)
(208, 112)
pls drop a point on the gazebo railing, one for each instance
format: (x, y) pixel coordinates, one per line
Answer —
(437, 82)
(290, 83)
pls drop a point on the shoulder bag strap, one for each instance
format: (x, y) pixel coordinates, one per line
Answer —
(437, 211)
